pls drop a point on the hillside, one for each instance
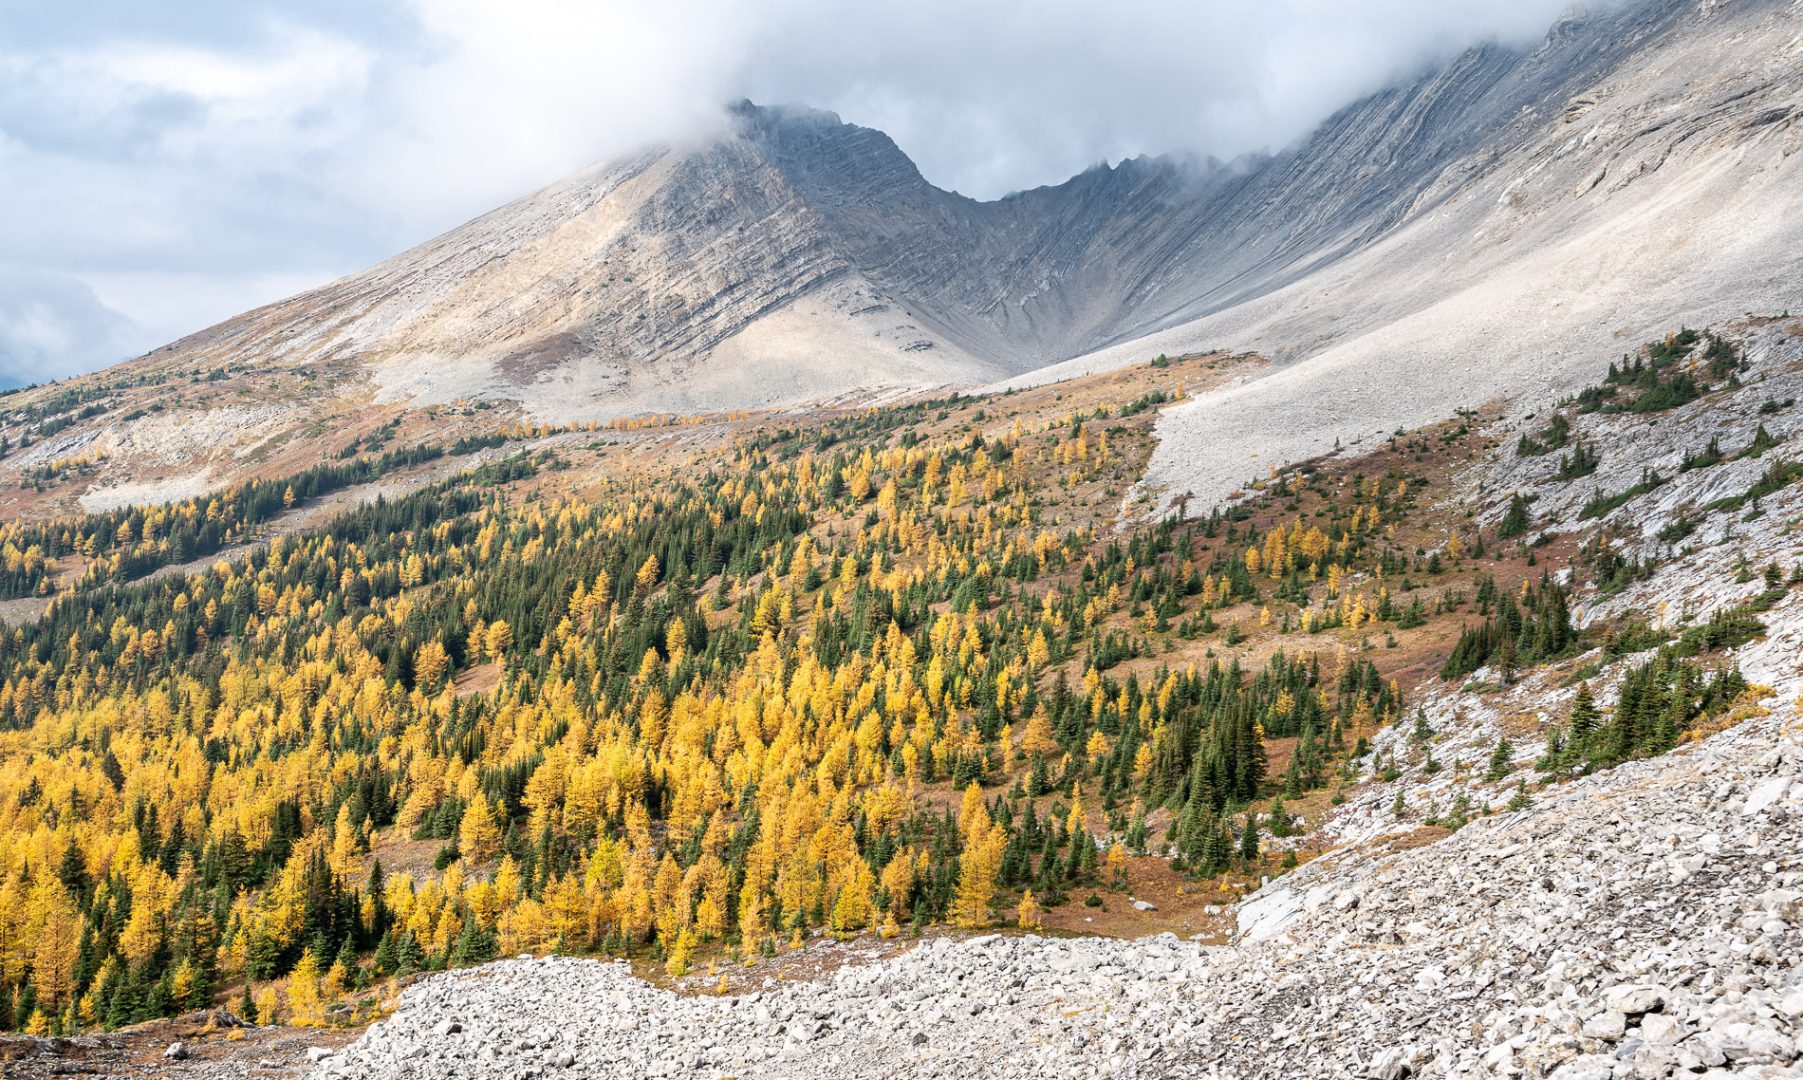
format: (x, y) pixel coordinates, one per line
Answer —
(1476, 903)
(1333, 613)
(1436, 961)
(716, 697)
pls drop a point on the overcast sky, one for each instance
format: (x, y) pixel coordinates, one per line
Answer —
(165, 165)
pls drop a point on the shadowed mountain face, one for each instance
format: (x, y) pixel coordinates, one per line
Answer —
(1118, 252)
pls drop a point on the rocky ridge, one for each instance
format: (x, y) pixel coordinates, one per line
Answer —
(1664, 191)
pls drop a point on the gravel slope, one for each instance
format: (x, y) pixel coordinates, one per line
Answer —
(1667, 192)
(1646, 922)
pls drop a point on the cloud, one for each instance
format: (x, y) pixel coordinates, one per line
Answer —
(50, 323)
(989, 97)
(181, 160)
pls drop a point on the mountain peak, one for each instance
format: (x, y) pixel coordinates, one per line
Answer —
(752, 117)
(830, 162)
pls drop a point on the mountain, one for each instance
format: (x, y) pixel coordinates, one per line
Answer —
(367, 637)
(1474, 234)
(1637, 171)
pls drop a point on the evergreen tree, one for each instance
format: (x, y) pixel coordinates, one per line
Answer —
(1281, 826)
(1249, 838)
(1515, 520)
(1500, 760)
(474, 944)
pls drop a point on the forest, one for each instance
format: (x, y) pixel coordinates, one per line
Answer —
(866, 675)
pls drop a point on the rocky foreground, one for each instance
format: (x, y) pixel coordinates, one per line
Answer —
(1643, 923)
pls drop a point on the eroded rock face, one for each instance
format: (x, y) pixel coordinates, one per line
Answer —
(1555, 941)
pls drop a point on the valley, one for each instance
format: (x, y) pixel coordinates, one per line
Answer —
(742, 610)
(712, 694)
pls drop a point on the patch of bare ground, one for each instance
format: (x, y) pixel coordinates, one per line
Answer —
(214, 1045)
(401, 854)
(1193, 909)
(479, 679)
(23, 610)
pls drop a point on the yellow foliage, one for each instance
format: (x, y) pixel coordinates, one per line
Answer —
(1029, 916)
(306, 1008)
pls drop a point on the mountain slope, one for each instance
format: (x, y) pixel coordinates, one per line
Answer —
(684, 694)
(598, 293)
(1506, 950)
(1464, 238)
(722, 274)
(1668, 189)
